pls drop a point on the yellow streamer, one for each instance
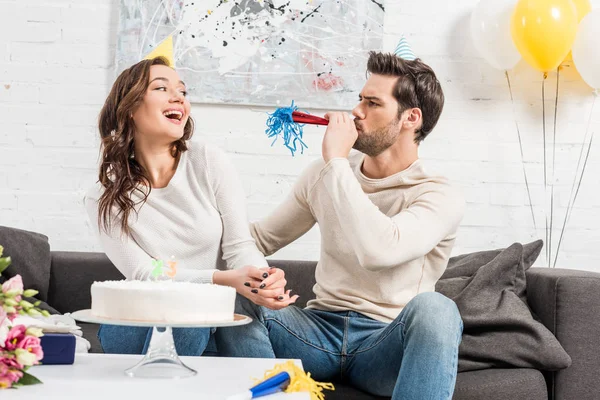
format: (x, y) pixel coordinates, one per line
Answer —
(300, 381)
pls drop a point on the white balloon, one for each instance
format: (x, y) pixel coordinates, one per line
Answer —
(490, 31)
(586, 49)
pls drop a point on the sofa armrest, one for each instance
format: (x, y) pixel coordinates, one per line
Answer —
(71, 276)
(568, 303)
(300, 276)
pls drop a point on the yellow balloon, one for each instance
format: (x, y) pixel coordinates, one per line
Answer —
(583, 7)
(544, 31)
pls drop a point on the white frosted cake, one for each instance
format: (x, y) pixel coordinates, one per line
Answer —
(163, 301)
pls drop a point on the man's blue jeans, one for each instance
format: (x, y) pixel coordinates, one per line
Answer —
(414, 357)
(116, 339)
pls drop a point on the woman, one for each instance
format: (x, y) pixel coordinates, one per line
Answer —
(160, 196)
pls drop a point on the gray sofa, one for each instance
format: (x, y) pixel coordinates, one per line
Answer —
(567, 302)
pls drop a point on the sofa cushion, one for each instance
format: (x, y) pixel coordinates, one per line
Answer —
(499, 328)
(90, 332)
(466, 265)
(500, 384)
(489, 384)
(30, 255)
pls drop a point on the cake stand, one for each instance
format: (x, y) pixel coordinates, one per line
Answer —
(161, 359)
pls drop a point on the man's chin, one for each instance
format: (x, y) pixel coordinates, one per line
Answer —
(358, 147)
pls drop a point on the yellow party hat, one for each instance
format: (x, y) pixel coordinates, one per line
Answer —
(164, 49)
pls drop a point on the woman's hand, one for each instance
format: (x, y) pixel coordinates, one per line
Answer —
(263, 286)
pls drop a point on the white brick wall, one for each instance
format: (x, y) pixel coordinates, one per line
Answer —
(56, 67)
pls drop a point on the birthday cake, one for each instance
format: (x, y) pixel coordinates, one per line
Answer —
(162, 301)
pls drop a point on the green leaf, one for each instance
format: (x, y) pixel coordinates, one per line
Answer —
(4, 263)
(37, 303)
(28, 379)
(45, 313)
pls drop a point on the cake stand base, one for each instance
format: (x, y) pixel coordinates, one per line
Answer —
(161, 359)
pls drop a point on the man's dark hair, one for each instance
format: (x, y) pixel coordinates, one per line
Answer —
(416, 87)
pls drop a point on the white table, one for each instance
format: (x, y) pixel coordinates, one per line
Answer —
(101, 377)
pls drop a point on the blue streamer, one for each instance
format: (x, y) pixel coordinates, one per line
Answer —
(281, 122)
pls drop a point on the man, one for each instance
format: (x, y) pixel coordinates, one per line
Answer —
(387, 230)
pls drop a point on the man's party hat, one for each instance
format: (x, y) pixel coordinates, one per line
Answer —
(165, 49)
(404, 51)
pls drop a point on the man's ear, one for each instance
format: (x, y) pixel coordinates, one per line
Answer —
(413, 120)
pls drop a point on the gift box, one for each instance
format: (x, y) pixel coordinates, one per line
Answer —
(59, 348)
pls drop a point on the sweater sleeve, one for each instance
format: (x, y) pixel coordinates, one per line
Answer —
(290, 220)
(129, 258)
(382, 242)
(238, 246)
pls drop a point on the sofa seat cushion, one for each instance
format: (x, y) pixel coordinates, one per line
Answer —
(489, 384)
(90, 332)
(501, 384)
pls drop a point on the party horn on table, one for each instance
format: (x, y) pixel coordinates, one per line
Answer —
(274, 384)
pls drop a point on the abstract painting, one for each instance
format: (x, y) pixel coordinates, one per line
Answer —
(259, 52)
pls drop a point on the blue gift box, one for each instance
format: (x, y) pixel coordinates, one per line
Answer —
(59, 348)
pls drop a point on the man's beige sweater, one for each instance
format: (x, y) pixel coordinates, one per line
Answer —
(383, 241)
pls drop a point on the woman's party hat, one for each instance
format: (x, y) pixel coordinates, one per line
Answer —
(165, 49)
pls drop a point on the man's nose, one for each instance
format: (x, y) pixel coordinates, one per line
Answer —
(358, 113)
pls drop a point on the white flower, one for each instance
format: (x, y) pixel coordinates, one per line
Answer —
(24, 357)
(4, 328)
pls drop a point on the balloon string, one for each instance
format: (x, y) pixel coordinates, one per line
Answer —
(521, 148)
(545, 177)
(553, 163)
(571, 197)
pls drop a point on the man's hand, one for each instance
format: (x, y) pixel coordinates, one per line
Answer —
(263, 286)
(339, 137)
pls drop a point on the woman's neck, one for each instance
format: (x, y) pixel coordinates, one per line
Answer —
(158, 162)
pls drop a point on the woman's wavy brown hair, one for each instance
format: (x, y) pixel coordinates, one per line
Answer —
(120, 173)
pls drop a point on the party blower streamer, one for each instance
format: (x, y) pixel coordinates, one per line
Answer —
(289, 122)
(285, 377)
